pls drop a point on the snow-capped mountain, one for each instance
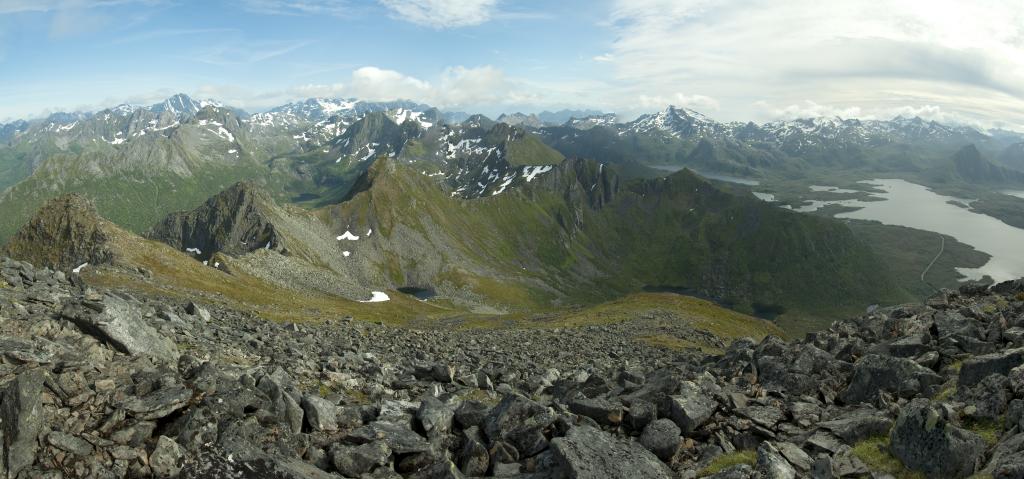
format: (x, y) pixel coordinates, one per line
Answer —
(677, 122)
(181, 105)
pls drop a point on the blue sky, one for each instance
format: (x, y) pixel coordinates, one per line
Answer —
(947, 60)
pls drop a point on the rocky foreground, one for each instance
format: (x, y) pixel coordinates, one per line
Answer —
(104, 384)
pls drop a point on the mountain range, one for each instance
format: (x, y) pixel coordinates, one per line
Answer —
(342, 196)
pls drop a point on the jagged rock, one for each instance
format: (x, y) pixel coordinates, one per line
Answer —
(444, 469)
(640, 414)
(924, 440)
(771, 464)
(197, 311)
(435, 417)
(21, 417)
(873, 374)
(796, 456)
(321, 414)
(121, 324)
(166, 459)
(68, 443)
(691, 408)
(399, 438)
(159, 403)
(974, 369)
(599, 409)
(859, 425)
(988, 399)
(766, 416)
(473, 457)
(662, 438)
(354, 461)
(520, 422)
(586, 452)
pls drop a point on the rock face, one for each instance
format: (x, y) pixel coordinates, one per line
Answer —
(925, 440)
(236, 221)
(147, 386)
(66, 233)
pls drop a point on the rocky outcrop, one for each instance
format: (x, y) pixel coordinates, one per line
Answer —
(109, 384)
(236, 221)
(64, 234)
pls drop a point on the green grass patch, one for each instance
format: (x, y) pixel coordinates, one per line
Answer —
(726, 461)
(874, 452)
(989, 430)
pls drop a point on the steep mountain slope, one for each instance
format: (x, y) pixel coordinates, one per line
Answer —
(575, 234)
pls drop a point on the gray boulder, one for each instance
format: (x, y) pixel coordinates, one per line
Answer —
(586, 452)
(874, 373)
(599, 409)
(400, 438)
(973, 370)
(662, 438)
(520, 422)
(21, 421)
(166, 459)
(121, 325)
(354, 461)
(924, 439)
(321, 414)
(691, 408)
(771, 463)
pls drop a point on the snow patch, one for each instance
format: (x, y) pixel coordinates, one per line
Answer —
(194, 251)
(378, 297)
(346, 253)
(347, 236)
(80, 268)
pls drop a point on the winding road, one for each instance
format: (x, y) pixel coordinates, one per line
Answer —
(942, 247)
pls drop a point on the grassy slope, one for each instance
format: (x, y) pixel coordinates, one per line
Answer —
(508, 247)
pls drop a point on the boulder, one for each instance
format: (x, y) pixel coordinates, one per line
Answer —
(435, 417)
(121, 325)
(662, 438)
(691, 408)
(599, 409)
(354, 461)
(520, 422)
(873, 374)
(21, 420)
(158, 404)
(166, 459)
(924, 440)
(400, 438)
(321, 414)
(587, 453)
(771, 463)
(973, 370)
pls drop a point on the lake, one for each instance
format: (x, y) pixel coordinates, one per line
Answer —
(915, 206)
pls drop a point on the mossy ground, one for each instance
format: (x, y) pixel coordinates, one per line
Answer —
(874, 452)
(726, 461)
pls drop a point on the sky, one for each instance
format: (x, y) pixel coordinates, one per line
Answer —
(952, 61)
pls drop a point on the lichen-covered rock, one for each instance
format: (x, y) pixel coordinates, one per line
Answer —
(925, 440)
(588, 453)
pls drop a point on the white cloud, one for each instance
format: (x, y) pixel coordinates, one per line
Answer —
(443, 13)
(842, 56)
(607, 57)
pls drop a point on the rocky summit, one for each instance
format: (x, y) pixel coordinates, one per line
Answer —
(104, 383)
